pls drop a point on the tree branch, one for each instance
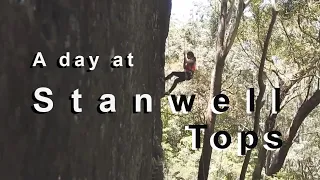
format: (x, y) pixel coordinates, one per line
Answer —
(222, 23)
(233, 32)
(280, 155)
(230, 11)
(303, 31)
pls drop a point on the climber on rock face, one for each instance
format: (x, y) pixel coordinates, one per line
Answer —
(189, 66)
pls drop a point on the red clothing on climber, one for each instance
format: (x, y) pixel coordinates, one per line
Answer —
(190, 63)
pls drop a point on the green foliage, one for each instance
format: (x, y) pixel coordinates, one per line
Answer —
(294, 47)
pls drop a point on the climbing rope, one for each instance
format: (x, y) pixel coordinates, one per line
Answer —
(318, 76)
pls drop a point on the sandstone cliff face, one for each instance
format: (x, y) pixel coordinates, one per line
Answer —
(88, 145)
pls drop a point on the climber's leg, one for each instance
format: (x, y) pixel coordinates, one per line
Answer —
(176, 73)
(175, 83)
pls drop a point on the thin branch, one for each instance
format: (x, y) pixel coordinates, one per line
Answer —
(288, 101)
(303, 31)
(290, 44)
(234, 79)
(243, 49)
(258, 30)
(308, 91)
(234, 31)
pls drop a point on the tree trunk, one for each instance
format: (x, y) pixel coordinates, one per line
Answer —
(215, 89)
(262, 88)
(205, 158)
(88, 145)
(223, 46)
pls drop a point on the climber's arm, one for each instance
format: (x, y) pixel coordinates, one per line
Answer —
(184, 59)
(191, 60)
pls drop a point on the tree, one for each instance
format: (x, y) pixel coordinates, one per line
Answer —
(223, 46)
(262, 88)
(88, 145)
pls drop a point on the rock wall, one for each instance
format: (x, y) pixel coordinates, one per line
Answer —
(88, 145)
